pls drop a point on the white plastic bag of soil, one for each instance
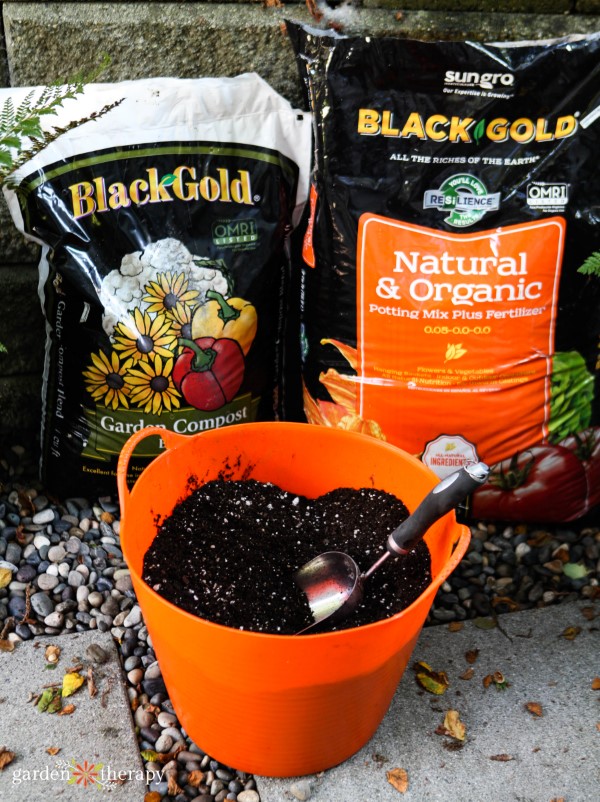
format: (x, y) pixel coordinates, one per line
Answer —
(451, 291)
(164, 267)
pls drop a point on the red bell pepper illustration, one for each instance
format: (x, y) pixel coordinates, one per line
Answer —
(209, 372)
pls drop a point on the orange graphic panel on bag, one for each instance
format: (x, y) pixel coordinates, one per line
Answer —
(455, 334)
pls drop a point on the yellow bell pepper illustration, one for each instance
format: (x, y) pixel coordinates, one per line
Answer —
(219, 317)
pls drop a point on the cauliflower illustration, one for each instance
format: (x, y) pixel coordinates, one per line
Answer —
(127, 287)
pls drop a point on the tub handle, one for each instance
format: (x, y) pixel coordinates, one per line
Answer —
(169, 438)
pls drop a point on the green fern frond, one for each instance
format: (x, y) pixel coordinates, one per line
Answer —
(591, 266)
(21, 132)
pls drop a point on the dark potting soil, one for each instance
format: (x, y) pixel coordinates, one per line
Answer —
(227, 553)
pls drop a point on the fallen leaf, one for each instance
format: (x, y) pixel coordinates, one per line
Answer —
(5, 577)
(575, 570)
(195, 778)
(452, 726)
(534, 708)
(50, 701)
(91, 685)
(152, 796)
(570, 633)
(498, 679)
(67, 710)
(71, 682)
(589, 613)
(6, 757)
(399, 16)
(468, 674)
(435, 682)
(149, 755)
(484, 623)
(53, 750)
(503, 758)
(6, 645)
(379, 759)
(172, 788)
(472, 655)
(52, 654)
(455, 626)
(596, 684)
(510, 604)
(558, 799)
(399, 779)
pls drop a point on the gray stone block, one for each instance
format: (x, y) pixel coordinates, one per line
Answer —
(13, 245)
(20, 405)
(21, 321)
(48, 41)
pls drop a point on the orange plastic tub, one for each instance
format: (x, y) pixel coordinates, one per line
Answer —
(278, 705)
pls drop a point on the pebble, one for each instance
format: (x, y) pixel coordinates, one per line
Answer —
(301, 790)
(249, 795)
(95, 599)
(42, 604)
(47, 581)
(167, 719)
(44, 516)
(96, 654)
(54, 620)
(56, 554)
(134, 617)
(26, 573)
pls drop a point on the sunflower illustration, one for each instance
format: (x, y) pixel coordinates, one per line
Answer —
(167, 291)
(105, 379)
(151, 385)
(144, 337)
(181, 320)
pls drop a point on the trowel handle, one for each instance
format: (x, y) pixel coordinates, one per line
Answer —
(443, 498)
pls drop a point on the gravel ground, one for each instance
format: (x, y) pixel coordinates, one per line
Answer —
(62, 568)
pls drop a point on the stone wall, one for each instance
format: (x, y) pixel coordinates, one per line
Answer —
(45, 42)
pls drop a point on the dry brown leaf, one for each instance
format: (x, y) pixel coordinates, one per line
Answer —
(53, 750)
(67, 710)
(172, 788)
(570, 633)
(510, 604)
(452, 726)
(534, 708)
(589, 613)
(503, 758)
(598, 726)
(6, 645)
(52, 654)
(399, 779)
(455, 626)
(399, 15)
(498, 679)
(6, 757)
(91, 685)
(558, 799)
(468, 674)
(152, 796)
(195, 778)
(471, 656)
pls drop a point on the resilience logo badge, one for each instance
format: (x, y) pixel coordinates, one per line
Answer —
(465, 197)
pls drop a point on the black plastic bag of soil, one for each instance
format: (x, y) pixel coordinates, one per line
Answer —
(451, 285)
(164, 266)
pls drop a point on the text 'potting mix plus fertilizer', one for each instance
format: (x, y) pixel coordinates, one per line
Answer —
(163, 271)
(451, 291)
